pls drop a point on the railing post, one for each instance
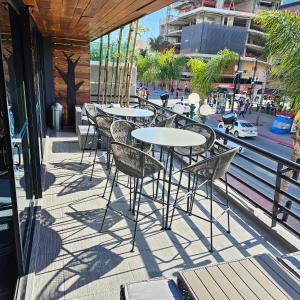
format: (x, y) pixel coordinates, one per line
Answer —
(277, 194)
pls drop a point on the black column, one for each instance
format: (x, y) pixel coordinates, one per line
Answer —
(31, 102)
(15, 215)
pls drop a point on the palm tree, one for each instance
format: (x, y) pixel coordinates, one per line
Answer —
(155, 43)
(205, 73)
(170, 66)
(147, 68)
(283, 53)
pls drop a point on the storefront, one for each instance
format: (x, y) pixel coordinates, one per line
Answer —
(22, 133)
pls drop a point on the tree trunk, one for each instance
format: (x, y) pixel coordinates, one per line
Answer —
(262, 96)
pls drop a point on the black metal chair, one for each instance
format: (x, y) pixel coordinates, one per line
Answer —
(207, 171)
(197, 151)
(91, 113)
(137, 165)
(146, 121)
(167, 122)
(120, 131)
(102, 125)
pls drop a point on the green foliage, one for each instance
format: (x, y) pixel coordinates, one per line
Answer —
(283, 50)
(205, 73)
(164, 67)
(147, 68)
(170, 65)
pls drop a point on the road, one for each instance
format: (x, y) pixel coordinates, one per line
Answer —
(272, 147)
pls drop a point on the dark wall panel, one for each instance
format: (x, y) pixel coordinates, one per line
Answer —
(210, 38)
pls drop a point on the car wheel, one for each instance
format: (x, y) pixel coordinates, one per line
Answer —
(236, 133)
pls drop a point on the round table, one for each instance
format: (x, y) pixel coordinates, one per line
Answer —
(168, 137)
(128, 112)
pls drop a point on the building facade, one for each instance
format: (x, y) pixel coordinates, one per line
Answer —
(202, 28)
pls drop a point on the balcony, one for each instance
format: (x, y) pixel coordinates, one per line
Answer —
(71, 259)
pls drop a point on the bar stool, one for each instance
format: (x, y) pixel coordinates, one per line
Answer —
(207, 170)
(138, 165)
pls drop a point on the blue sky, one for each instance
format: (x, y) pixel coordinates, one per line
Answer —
(150, 21)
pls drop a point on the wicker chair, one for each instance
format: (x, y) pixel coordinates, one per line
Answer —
(102, 124)
(204, 130)
(91, 113)
(168, 122)
(207, 171)
(191, 152)
(148, 121)
(120, 131)
(137, 165)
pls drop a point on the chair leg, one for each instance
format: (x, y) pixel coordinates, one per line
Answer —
(107, 181)
(194, 189)
(211, 216)
(109, 199)
(137, 213)
(227, 204)
(158, 177)
(174, 205)
(85, 143)
(96, 150)
(189, 183)
(93, 140)
(135, 187)
(130, 196)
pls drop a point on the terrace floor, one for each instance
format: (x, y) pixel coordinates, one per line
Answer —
(73, 260)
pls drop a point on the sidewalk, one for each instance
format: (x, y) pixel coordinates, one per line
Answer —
(265, 123)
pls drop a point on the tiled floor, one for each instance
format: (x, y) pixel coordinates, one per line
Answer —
(75, 261)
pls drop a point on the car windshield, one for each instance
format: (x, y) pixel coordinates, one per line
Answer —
(244, 124)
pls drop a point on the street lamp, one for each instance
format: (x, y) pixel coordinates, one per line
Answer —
(205, 111)
(193, 100)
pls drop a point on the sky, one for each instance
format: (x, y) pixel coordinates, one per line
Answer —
(150, 21)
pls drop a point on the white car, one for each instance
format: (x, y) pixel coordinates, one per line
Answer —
(241, 128)
(229, 144)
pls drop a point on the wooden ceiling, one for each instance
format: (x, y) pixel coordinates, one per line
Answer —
(88, 19)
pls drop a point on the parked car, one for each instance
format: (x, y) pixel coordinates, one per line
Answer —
(241, 128)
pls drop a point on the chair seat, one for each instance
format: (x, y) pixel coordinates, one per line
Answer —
(163, 289)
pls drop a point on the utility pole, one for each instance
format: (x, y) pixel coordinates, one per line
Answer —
(253, 81)
(235, 80)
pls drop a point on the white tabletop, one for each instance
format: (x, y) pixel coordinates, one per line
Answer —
(128, 112)
(170, 137)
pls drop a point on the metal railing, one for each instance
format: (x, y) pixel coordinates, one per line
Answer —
(245, 177)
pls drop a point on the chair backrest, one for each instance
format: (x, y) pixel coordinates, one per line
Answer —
(134, 162)
(214, 167)
(121, 131)
(147, 120)
(206, 131)
(90, 111)
(168, 122)
(103, 123)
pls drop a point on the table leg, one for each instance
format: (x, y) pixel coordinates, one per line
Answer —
(169, 187)
(189, 182)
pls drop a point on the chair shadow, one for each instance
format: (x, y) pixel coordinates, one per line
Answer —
(80, 184)
(83, 267)
(93, 218)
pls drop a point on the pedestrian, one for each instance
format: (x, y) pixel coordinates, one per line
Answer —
(176, 94)
(172, 90)
(247, 105)
(147, 94)
(250, 107)
(242, 109)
